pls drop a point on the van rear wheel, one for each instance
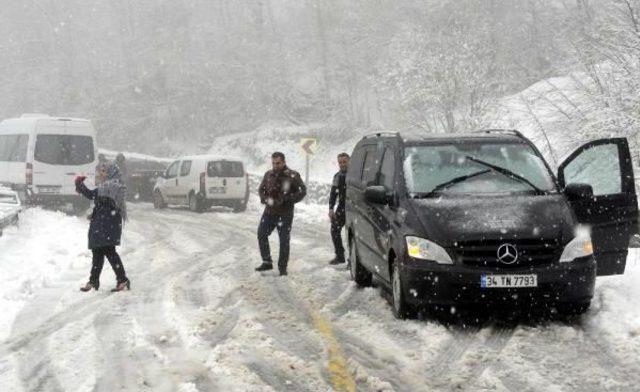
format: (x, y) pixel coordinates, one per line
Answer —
(195, 204)
(359, 274)
(239, 206)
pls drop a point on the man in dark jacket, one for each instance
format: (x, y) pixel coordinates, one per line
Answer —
(337, 215)
(279, 190)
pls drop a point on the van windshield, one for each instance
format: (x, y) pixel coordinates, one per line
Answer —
(475, 168)
(64, 149)
(225, 169)
(13, 148)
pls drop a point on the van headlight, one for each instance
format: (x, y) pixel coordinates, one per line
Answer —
(420, 248)
(580, 246)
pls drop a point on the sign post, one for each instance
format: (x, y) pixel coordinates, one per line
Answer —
(308, 147)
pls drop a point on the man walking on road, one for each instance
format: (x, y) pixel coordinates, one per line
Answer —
(337, 215)
(280, 189)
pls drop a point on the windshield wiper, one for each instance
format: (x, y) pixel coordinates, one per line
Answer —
(506, 172)
(449, 183)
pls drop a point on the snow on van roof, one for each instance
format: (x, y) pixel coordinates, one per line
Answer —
(37, 116)
(211, 157)
(133, 155)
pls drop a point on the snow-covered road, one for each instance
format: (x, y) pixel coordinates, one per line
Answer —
(199, 318)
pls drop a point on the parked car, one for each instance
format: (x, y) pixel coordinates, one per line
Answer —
(202, 181)
(41, 155)
(10, 207)
(143, 176)
(446, 219)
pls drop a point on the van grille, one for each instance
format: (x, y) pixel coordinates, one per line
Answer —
(531, 252)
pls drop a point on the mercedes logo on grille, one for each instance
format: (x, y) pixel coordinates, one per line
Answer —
(507, 254)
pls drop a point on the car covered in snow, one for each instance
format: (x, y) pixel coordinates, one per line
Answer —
(10, 207)
(202, 181)
(444, 220)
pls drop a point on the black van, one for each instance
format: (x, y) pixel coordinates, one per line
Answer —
(450, 219)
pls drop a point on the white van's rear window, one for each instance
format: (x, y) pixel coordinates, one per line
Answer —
(225, 169)
(13, 148)
(64, 149)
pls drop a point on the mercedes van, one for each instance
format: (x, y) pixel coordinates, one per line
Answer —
(40, 156)
(451, 219)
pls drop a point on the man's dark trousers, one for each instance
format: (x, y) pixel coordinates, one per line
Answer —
(337, 223)
(283, 224)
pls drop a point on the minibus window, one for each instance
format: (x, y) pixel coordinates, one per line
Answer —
(64, 149)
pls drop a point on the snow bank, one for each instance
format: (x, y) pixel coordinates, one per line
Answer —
(257, 146)
(35, 254)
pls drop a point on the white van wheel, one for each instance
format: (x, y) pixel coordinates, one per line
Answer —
(195, 204)
(239, 206)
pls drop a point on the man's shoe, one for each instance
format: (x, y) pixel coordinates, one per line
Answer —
(265, 267)
(283, 273)
(337, 260)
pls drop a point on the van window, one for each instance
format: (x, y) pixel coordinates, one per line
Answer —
(64, 149)
(225, 169)
(599, 167)
(13, 148)
(387, 170)
(185, 168)
(355, 166)
(172, 171)
(370, 167)
(429, 166)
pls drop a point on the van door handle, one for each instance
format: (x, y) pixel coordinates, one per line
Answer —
(224, 182)
(70, 174)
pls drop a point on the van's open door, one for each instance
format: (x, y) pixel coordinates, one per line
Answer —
(612, 211)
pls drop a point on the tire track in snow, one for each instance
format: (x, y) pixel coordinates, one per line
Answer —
(257, 289)
(249, 291)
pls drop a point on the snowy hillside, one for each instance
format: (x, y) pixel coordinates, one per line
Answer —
(568, 109)
(256, 147)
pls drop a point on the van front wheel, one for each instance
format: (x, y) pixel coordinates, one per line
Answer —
(401, 309)
(158, 201)
(195, 204)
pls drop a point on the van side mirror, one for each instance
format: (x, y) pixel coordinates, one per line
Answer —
(377, 194)
(577, 191)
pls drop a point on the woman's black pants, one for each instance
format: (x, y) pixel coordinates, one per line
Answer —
(98, 261)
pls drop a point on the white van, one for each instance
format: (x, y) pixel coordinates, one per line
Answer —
(202, 181)
(40, 156)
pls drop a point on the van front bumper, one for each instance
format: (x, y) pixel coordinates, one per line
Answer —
(425, 282)
(57, 200)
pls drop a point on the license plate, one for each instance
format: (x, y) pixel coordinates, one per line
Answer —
(218, 189)
(502, 281)
(48, 190)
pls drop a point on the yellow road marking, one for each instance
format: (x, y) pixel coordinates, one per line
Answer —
(339, 375)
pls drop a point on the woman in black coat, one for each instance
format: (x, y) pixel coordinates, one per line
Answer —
(105, 229)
